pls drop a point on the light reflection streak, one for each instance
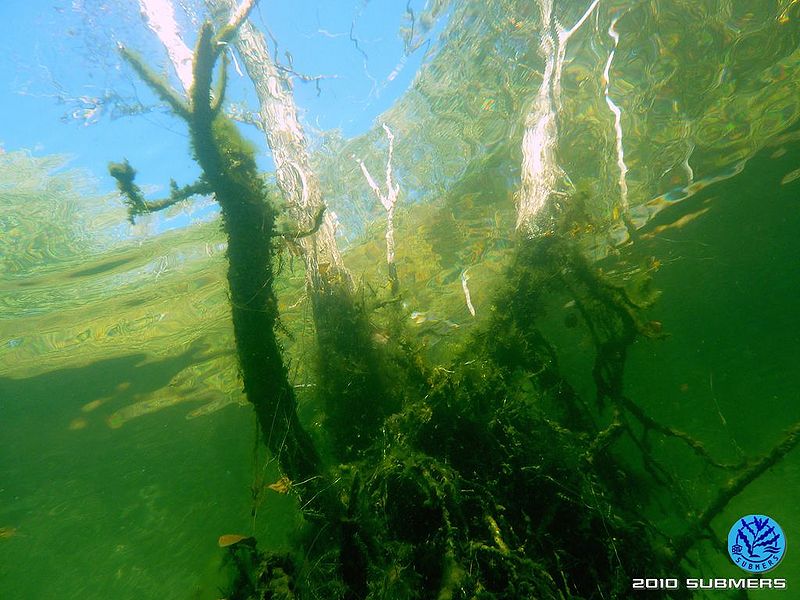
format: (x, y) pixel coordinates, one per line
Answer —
(623, 168)
(540, 171)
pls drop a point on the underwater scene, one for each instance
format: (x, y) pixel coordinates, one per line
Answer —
(426, 299)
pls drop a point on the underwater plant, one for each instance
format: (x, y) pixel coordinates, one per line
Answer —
(342, 326)
(488, 478)
(229, 172)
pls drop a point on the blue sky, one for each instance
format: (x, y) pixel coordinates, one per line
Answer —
(60, 49)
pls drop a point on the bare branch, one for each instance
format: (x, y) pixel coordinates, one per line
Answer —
(160, 18)
(541, 173)
(467, 295)
(734, 487)
(388, 200)
(371, 181)
(241, 13)
(237, 18)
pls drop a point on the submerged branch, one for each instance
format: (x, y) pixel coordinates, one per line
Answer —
(649, 423)
(156, 82)
(614, 321)
(125, 174)
(734, 487)
(388, 200)
(222, 85)
(319, 219)
(229, 171)
(278, 118)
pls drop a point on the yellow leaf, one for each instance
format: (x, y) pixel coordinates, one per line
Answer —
(282, 486)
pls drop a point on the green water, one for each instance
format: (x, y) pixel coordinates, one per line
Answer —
(134, 512)
(129, 513)
(127, 447)
(728, 372)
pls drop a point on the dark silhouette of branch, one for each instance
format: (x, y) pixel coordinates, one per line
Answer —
(734, 487)
(649, 423)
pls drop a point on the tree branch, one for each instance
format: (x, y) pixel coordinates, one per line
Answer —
(160, 18)
(238, 17)
(388, 200)
(125, 174)
(295, 177)
(158, 83)
(649, 423)
(734, 487)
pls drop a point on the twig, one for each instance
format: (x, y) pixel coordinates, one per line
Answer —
(467, 297)
(159, 85)
(734, 487)
(650, 423)
(305, 78)
(319, 219)
(607, 436)
(125, 174)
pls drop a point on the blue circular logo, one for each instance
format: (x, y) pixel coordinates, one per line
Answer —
(756, 543)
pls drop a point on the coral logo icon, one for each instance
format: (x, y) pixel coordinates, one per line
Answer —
(756, 543)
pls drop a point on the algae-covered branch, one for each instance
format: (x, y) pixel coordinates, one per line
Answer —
(229, 171)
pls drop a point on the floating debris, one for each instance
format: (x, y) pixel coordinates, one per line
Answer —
(94, 404)
(790, 176)
(231, 539)
(79, 423)
(282, 486)
(677, 224)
